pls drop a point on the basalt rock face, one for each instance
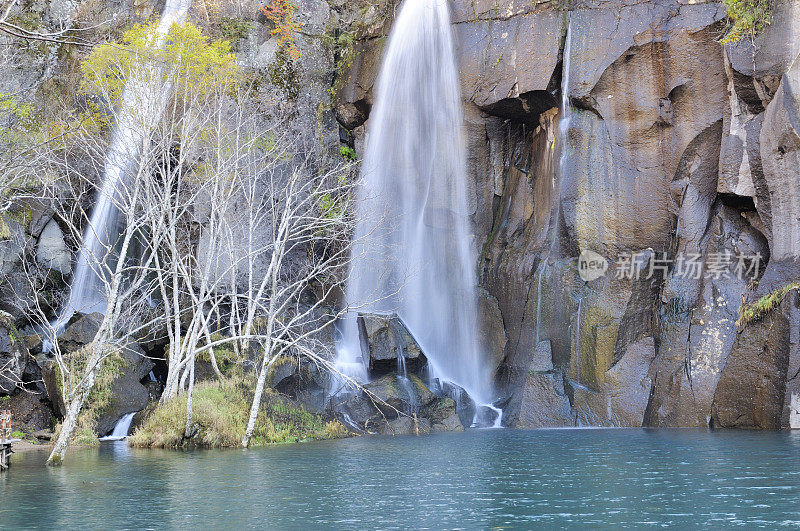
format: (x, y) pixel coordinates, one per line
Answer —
(675, 146)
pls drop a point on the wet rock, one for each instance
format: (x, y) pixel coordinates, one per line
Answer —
(750, 392)
(395, 394)
(544, 402)
(443, 416)
(387, 339)
(406, 425)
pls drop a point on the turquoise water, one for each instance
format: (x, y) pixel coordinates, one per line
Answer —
(478, 479)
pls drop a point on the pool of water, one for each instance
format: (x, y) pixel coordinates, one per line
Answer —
(477, 479)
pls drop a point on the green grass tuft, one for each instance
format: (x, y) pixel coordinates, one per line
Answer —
(221, 411)
(749, 313)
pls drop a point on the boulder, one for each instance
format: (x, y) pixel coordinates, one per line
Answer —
(393, 394)
(128, 394)
(406, 425)
(392, 404)
(30, 412)
(542, 357)
(443, 416)
(387, 339)
(544, 402)
(80, 332)
(52, 251)
(750, 393)
(300, 379)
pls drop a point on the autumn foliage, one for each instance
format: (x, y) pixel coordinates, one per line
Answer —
(281, 13)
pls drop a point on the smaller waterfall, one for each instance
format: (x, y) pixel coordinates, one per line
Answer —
(121, 429)
(141, 104)
(578, 340)
(566, 108)
(542, 272)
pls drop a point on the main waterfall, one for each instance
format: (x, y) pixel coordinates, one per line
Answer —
(412, 253)
(141, 105)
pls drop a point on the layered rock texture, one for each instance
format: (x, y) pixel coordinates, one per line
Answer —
(676, 146)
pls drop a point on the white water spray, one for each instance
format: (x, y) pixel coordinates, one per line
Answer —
(142, 104)
(412, 252)
(121, 429)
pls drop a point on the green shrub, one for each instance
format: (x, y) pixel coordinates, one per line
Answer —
(348, 153)
(749, 313)
(221, 411)
(748, 18)
(232, 30)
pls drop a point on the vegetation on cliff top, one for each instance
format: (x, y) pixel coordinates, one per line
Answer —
(748, 18)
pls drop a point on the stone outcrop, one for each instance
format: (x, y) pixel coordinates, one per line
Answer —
(399, 405)
(751, 389)
(389, 344)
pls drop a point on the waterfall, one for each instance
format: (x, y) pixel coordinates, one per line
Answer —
(412, 251)
(141, 104)
(566, 108)
(121, 429)
(578, 340)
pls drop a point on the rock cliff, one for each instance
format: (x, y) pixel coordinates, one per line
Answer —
(676, 145)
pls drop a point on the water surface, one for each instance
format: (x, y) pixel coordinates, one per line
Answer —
(478, 479)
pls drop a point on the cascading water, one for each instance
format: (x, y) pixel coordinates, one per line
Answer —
(121, 429)
(412, 253)
(141, 105)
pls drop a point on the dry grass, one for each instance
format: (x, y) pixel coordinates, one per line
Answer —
(221, 411)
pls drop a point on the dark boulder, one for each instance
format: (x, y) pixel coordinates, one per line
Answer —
(128, 394)
(750, 392)
(388, 339)
(80, 332)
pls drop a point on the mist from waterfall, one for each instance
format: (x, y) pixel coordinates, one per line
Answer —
(413, 254)
(141, 105)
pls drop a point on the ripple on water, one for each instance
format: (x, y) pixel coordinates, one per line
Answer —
(477, 479)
